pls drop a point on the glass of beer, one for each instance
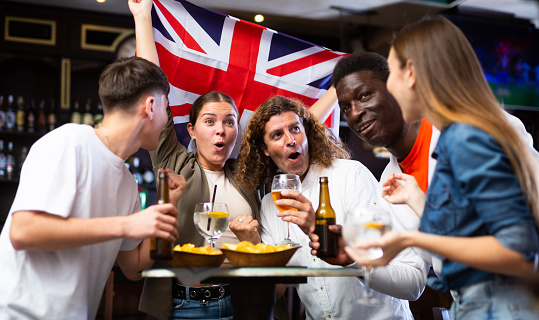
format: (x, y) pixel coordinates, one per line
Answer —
(211, 220)
(280, 183)
(363, 225)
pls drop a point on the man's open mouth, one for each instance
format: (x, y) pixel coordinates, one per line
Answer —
(294, 156)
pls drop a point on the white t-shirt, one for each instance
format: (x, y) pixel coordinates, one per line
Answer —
(69, 173)
(351, 185)
(227, 193)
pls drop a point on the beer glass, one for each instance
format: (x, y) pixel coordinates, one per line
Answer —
(280, 183)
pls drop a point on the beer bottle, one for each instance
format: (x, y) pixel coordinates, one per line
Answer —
(51, 118)
(2, 114)
(41, 124)
(21, 115)
(10, 114)
(76, 117)
(10, 161)
(3, 161)
(88, 117)
(161, 249)
(31, 117)
(98, 116)
(324, 217)
(22, 158)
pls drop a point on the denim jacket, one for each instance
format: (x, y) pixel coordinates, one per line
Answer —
(475, 192)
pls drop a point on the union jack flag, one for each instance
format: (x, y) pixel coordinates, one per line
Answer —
(202, 50)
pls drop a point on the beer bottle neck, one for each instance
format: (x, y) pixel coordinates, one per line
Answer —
(324, 195)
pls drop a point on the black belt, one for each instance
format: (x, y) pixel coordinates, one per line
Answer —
(200, 293)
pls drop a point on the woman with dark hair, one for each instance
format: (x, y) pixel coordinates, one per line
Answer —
(213, 126)
(480, 212)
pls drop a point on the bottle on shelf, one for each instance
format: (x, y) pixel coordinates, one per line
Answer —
(2, 114)
(51, 118)
(10, 114)
(88, 117)
(76, 117)
(3, 161)
(31, 117)
(161, 249)
(10, 161)
(135, 170)
(22, 158)
(41, 125)
(148, 176)
(324, 217)
(142, 192)
(21, 114)
(98, 116)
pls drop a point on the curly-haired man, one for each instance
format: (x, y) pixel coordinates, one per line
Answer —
(284, 136)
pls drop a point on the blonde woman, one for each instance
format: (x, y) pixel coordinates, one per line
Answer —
(480, 212)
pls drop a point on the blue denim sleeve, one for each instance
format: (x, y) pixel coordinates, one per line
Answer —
(487, 179)
(520, 238)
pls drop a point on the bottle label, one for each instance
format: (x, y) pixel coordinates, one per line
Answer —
(3, 165)
(2, 118)
(52, 121)
(87, 119)
(10, 119)
(31, 122)
(76, 117)
(20, 118)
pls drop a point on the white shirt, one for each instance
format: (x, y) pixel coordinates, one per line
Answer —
(351, 185)
(227, 193)
(69, 173)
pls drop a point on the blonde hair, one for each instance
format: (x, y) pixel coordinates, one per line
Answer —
(452, 88)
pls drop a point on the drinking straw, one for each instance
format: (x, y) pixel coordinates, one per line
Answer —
(212, 202)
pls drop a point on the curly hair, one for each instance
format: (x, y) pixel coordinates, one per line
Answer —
(257, 169)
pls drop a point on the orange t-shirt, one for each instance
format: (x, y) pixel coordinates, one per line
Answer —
(417, 162)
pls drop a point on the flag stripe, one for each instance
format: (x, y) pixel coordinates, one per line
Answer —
(302, 63)
(182, 33)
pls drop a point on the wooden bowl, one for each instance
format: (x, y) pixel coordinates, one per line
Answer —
(248, 259)
(182, 259)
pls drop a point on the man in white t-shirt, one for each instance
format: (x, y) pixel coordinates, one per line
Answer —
(77, 208)
(283, 136)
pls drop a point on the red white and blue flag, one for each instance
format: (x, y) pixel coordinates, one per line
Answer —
(202, 50)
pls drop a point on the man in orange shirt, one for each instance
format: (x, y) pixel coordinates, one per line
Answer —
(375, 117)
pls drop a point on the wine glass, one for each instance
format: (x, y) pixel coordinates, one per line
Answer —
(280, 183)
(363, 225)
(211, 220)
